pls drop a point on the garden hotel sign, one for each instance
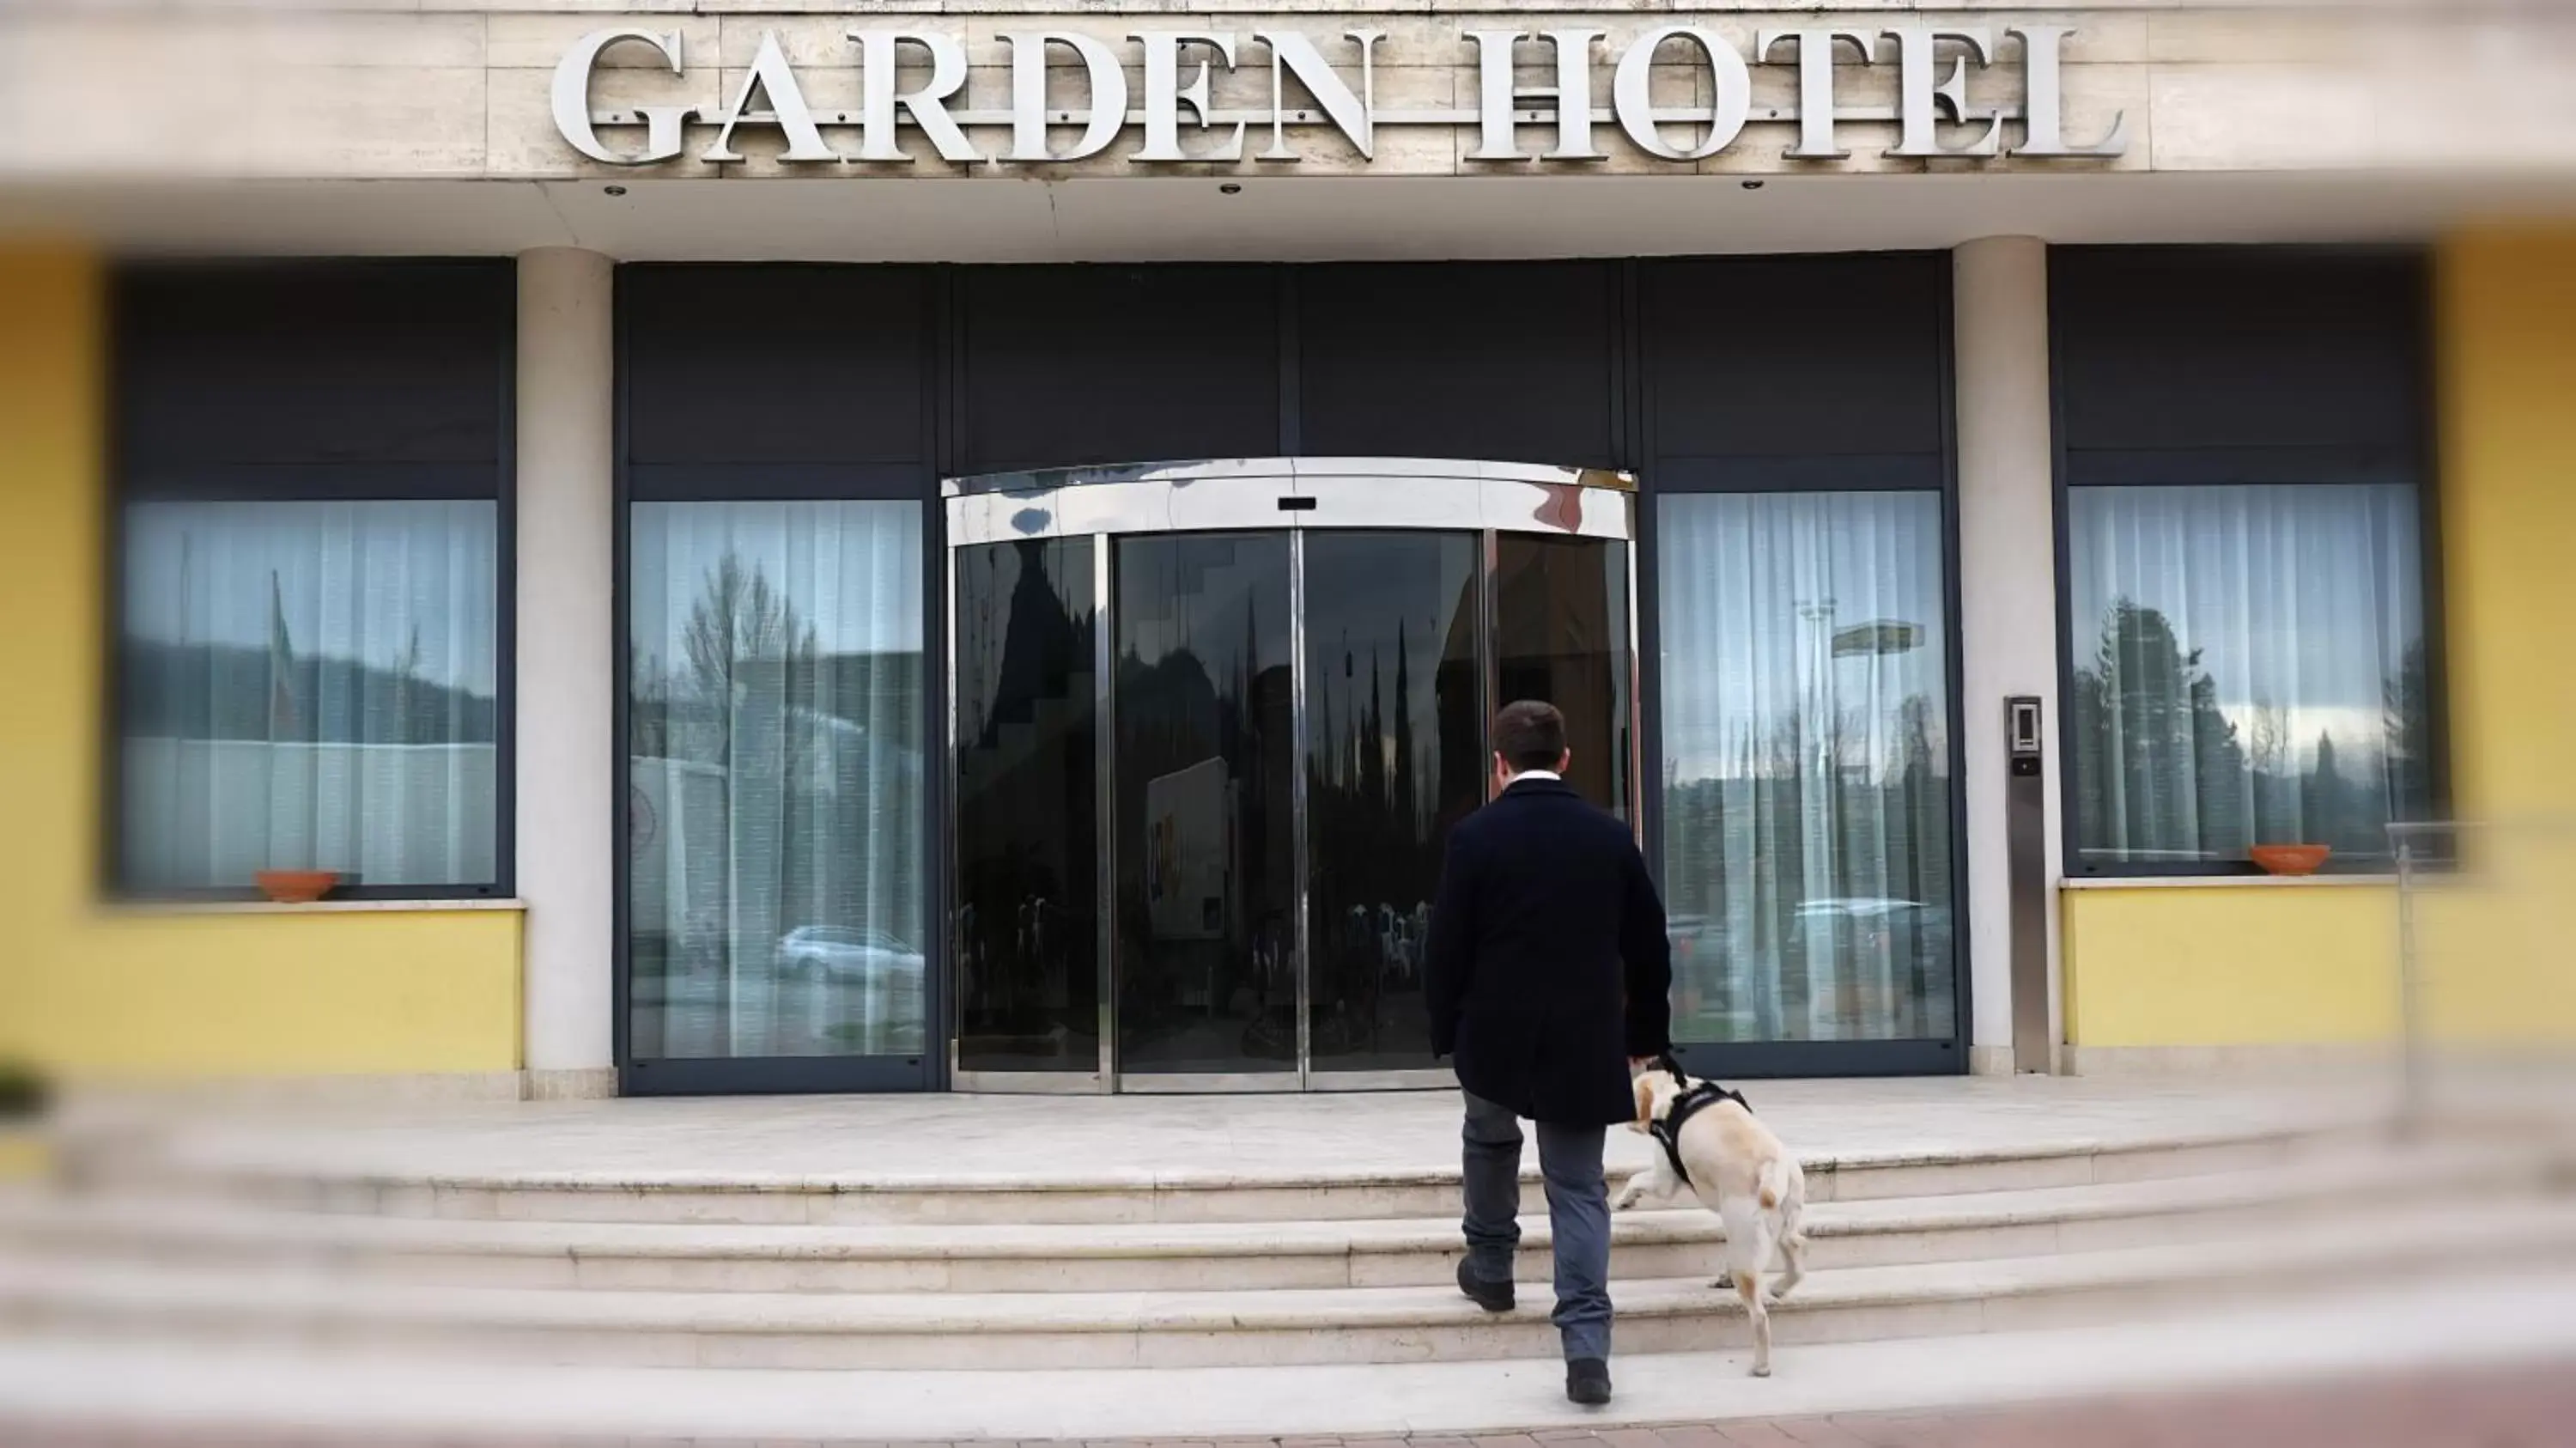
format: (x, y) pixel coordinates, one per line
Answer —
(1172, 111)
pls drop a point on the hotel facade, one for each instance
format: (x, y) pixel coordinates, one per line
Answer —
(948, 547)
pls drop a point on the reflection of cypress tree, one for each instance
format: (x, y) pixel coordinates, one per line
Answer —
(2408, 723)
(1408, 810)
(402, 724)
(2159, 767)
(1458, 703)
(1922, 807)
(1372, 736)
(2326, 803)
(1038, 647)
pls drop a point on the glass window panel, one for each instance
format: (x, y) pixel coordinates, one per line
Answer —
(309, 685)
(776, 729)
(1806, 795)
(2249, 669)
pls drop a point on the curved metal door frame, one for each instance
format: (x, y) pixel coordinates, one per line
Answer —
(1290, 495)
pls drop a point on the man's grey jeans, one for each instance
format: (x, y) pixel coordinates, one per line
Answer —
(1578, 1214)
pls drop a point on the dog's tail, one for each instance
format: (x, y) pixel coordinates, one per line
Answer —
(1771, 1181)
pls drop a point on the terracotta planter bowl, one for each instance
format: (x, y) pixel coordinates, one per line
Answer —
(296, 887)
(2290, 859)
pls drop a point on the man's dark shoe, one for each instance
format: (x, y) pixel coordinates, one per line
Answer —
(1491, 1296)
(1587, 1381)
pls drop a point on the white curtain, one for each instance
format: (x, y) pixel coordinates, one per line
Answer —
(1806, 790)
(777, 735)
(2248, 668)
(309, 685)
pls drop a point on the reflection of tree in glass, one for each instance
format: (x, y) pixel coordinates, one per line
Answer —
(406, 687)
(793, 802)
(2407, 722)
(2273, 774)
(1043, 645)
(1736, 871)
(648, 710)
(2326, 803)
(2158, 764)
(744, 640)
(1025, 796)
(2160, 773)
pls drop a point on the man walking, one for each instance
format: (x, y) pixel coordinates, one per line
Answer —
(1548, 979)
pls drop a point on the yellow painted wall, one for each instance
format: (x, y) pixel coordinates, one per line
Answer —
(2250, 965)
(2501, 958)
(2229, 965)
(263, 994)
(2508, 357)
(88, 990)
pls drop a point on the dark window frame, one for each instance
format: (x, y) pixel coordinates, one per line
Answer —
(1933, 468)
(1925, 460)
(2300, 461)
(858, 480)
(291, 479)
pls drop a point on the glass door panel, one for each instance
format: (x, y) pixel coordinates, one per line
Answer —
(1202, 838)
(1807, 795)
(775, 738)
(1561, 635)
(1027, 739)
(1395, 756)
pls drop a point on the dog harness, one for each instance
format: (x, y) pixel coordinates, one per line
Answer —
(1694, 1096)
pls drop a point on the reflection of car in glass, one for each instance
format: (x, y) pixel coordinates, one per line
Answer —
(1689, 936)
(1873, 923)
(1692, 938)
(849, 952)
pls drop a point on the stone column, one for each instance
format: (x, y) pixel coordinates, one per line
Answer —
(566, 637)
(2008, 601)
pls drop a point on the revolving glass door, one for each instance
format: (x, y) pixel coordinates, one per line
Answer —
(1211, 725)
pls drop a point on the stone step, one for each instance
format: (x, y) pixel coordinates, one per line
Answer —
(268, 1393)
(935, 1330)
(1166, 1196)
(1184, 1256)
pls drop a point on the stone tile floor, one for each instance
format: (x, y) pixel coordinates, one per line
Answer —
(2529, 1405)
(953, 1138)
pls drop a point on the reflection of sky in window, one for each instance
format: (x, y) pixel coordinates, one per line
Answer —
(353, 581)
(2302, 598)
(1754, 588)
(852, 570)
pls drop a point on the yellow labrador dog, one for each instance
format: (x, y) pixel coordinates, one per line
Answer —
(1731, 1164)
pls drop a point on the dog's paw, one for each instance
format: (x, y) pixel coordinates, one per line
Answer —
(1761, 1370)
(1723, 1282)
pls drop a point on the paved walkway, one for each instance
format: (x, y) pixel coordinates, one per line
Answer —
(2527, 1406)
(962, 1138)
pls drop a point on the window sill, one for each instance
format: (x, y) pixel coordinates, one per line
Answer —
(317, 907)
(2219, 882)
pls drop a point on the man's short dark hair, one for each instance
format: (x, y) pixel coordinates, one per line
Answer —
(1530, 734)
